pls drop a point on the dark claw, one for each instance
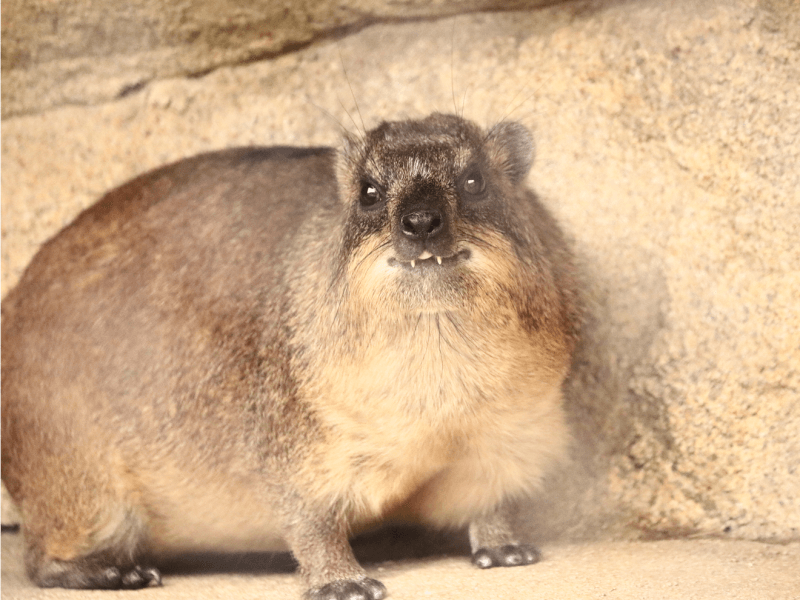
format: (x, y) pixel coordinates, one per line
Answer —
(375, 587)
(482, 559)
(109, 579)
(132, 580)
(348, 589)
(139, 577)
(506, 556)
(153, 576)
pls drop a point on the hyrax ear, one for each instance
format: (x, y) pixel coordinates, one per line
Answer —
(510, 147)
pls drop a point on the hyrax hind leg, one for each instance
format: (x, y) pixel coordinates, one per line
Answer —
(81, 529)
(73, 556)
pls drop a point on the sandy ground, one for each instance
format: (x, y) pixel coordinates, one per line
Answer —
(701, 569)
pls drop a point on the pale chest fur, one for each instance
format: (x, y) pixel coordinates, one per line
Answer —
(438, 419)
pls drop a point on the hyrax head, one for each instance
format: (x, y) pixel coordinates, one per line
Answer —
(432, 210)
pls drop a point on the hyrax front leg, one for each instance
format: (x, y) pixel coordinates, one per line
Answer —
(493, 543)
(320, 545)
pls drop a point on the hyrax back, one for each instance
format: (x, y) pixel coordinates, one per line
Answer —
(265, 348)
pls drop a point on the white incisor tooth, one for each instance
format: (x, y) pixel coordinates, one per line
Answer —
(412, 263)
(425, 254)
(439, 259)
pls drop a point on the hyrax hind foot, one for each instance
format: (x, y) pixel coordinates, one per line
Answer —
(510, 555)
(363, 589)
(139, 577)
(88, 574)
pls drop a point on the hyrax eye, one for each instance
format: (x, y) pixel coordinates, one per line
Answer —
(474, 183)
(370, 195)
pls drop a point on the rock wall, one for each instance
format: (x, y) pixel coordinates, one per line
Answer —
(58, 52)
(668, 142)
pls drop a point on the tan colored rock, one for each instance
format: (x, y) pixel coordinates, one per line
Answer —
(668, 144)
(64, 52)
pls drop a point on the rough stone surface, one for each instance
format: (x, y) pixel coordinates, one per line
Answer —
(668, 145)
(58, 52)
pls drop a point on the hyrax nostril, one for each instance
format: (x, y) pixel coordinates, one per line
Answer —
(421, 224)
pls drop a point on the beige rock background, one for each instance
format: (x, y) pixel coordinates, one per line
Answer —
(86, 51)
(668, 145)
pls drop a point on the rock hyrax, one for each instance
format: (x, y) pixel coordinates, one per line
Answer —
(271, 348)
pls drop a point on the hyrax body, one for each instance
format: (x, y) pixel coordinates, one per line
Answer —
(266, 348)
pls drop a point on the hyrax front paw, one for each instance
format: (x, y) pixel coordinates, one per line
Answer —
(510, 555)
(348, 589)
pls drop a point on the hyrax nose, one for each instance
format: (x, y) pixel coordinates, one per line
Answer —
(421, 224)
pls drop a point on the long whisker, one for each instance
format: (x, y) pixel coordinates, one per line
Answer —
(329, 115)
(511, 108)
(457, 328)
(349, 85)
(441, 356)
(452, 80)
(339, 295)
(479, 241)
(444, 338)
(369, 254)
(416, 325)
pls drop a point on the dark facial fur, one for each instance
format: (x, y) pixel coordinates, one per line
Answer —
(271, 348)
(425, 184)
(430, 195)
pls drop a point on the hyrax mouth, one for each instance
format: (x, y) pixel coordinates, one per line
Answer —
(426, 260)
